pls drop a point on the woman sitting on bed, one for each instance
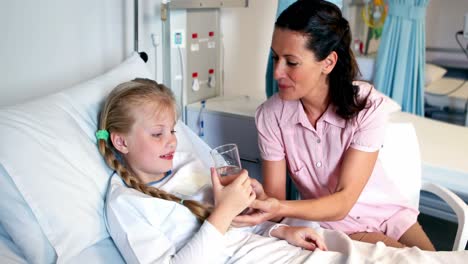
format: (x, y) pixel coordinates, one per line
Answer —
(327, 130)
(137, 139)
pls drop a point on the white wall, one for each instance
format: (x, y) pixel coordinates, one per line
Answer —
(247, 39)
(443, 19)
(48, 45)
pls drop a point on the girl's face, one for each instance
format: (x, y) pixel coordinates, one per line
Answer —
(151, 143)
(296, 69)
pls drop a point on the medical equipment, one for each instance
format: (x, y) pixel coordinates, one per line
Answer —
(195, 48)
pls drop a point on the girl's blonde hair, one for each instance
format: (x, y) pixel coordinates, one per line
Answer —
(117, 116)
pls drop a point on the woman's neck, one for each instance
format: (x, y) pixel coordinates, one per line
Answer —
(316, 103)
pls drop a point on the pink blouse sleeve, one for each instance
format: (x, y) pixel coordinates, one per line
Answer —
(370, 124)
(270, 141)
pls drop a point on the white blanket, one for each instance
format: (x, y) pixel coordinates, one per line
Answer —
(252, 248)
(341, 249)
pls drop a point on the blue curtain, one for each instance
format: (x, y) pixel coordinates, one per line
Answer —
(271, 86)
(401, 56)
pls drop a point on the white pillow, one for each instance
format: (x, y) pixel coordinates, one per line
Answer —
(433, 73)
(18, 221)
(401, 159)
(9, 252)
(49, 151)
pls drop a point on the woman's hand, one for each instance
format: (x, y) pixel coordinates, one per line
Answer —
(263, 210)
(300, 236)
(230, 200)
(258, 189)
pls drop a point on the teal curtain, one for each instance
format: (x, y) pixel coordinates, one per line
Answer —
(401, 56)
(271, 86)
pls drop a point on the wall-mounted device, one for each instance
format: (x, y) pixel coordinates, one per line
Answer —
(194, 67)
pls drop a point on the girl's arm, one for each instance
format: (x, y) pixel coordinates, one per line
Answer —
(143, 228)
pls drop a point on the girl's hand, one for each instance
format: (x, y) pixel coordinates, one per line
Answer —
(230, 200)
(300, 236)
(256, 185)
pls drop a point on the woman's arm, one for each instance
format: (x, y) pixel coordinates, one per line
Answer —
(274, 178)
(356, 168)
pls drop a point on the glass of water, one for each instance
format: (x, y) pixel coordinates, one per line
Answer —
(226, 159)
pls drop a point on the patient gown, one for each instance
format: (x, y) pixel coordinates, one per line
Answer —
(151, 230)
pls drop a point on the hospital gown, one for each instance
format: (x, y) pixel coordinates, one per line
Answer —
(151, 230)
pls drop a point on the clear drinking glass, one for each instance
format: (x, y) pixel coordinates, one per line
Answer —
(226, 159)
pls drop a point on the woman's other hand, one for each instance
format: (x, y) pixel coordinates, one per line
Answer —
(258, 189)
(300, 236)
(264, 210)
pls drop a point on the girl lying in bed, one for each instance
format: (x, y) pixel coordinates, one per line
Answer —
(148, 224)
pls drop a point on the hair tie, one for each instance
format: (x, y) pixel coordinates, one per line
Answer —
(102, 134)
(181, 201)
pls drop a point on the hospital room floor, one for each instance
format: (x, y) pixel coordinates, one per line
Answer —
(441, 232)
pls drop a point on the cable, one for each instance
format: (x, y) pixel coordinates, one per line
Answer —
(447, 93)
(221, 86)
(155, 42)
(181, 84)
(459, 43)
(200, 121)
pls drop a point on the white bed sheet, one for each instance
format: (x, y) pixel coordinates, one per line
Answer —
(341, 250)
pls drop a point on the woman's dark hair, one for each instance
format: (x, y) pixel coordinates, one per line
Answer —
(326, 30)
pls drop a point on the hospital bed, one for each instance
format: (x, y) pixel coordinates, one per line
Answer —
(446, 95)
(53, 182)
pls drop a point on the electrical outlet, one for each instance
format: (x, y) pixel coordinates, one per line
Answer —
(155, 39)
(178, 39)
